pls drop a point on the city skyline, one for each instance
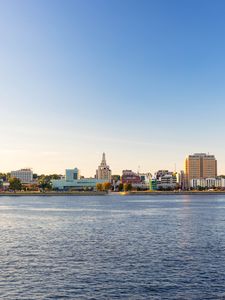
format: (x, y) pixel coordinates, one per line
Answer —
(143, 82)
(108, 173)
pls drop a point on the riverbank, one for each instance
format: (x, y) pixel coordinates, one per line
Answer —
(52, 193)
(160, 193)
(131, 193)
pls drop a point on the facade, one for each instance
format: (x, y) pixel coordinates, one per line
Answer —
(200, 166)
(208, 183)
(140, 181)
(166, 179)
(145, 180)
(72, 174)
(145, 177)
(220, 182)
(24, 175)
(73, 181)
(115, 180)
(128, 176)
(153, 184)
(78, 185)
(103, 172)
(182, 181)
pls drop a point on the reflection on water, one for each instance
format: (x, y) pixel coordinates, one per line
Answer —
(145, 247)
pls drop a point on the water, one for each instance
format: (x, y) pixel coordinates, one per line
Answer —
(131, 247)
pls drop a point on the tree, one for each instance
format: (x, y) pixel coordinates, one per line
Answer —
(15, 184)
(106, 186)
(55, 176)
(5, 176)
(120, 187)
(127, 187)
(44, 182)
(99, 187)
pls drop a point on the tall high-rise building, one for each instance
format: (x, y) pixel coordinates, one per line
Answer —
(200, 166)
(103, 172)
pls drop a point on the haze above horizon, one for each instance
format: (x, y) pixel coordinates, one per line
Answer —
(142, 81)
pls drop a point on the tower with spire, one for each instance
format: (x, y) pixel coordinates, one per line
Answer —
(103, 172)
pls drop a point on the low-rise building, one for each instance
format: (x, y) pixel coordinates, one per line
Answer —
(220, 182)
(166, 179)
(153, 184)
(72, 174)
(73, 181)
(24, 175)
(130, 177)
(207, 183)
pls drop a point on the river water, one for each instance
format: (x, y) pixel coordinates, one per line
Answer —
(112, 247)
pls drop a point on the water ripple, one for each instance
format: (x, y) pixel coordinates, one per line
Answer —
(112, 248)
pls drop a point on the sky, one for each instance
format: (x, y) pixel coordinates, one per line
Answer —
(141, 80)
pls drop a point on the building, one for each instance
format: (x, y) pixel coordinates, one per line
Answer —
(115, 180)
(73, 181)
(128, 176)
(24, 175)
(72, 174)
(166, 179)
(145, 177)
(200, 166)
(208, 183)
(182, 181)
(103, 172)
(145, 180)
(220, 182)
(153, 184)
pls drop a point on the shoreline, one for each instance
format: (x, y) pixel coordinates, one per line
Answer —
(166, 193)
(38, 194)
(131, 193)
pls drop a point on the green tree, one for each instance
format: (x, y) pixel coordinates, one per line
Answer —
(120, 187)
(5, 176)
(55, 176)
(15, 184)
(44, 182)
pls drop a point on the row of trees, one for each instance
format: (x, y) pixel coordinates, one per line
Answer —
(106, 186)
(43, 182)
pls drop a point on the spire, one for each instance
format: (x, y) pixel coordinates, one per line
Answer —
(103, 159)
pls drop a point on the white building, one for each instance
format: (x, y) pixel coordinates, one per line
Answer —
(166, 179)
(145, 180)
(24, 175)
(218, 182)
(103, 172)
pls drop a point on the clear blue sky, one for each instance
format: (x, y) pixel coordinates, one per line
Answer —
(143, 81)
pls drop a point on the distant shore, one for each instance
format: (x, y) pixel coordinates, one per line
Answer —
(159, 193)
(131, 193)
(52, 193)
